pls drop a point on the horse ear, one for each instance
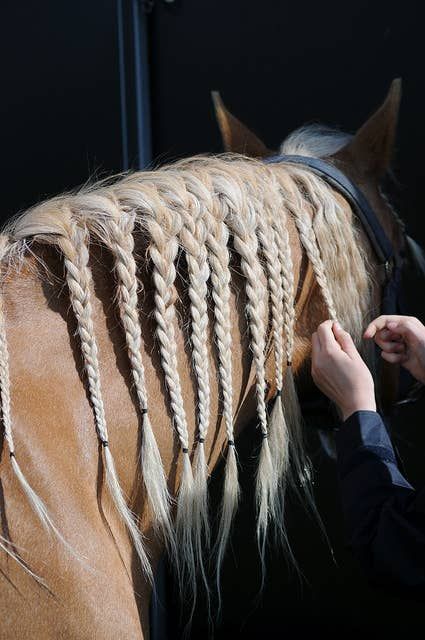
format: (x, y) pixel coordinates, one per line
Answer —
(372, 146)
(235, 135)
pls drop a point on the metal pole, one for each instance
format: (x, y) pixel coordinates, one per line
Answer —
(142, 88)
(123, 97)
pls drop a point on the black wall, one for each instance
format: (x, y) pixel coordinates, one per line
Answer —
(60, 109)
(281, 64)
(278, 65)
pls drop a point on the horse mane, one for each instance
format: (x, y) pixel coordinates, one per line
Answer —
(206, 209)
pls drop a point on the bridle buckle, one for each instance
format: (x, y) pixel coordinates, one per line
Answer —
(388, 270)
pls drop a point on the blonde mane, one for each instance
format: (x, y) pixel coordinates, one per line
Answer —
(204, 210)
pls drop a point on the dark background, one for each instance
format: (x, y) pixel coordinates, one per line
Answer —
(277, 65)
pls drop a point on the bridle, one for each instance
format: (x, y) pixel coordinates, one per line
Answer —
(390, 263)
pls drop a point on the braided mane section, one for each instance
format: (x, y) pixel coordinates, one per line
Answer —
(193, 235)
(76, 259)
(115, 227)
(294, 466)
(190, 226)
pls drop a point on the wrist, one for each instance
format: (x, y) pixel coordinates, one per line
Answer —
(367, 405)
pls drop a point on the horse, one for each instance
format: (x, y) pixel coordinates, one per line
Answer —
(144, 321)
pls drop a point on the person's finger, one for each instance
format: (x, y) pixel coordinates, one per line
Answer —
(386, 334)
(409, 328)
(394, 358)
(378, 324)
(391, 347)
(385, 341)
(316, 340)
(325, 335)
(315, 345)
(344, 339)
(392, 325)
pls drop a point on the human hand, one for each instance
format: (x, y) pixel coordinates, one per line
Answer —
(402, 340)
(339, 371)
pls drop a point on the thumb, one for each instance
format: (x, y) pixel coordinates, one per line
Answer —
(344, 339)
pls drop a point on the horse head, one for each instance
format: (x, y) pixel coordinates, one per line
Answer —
(365, 159)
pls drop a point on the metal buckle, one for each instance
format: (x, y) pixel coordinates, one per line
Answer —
(388, 269)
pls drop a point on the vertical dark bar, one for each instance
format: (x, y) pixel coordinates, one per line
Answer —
(123, 96)
(141, 81)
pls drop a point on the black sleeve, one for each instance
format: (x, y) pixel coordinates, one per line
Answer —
(384, 514)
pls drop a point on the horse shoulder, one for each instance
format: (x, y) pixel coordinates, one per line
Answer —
(57, 449)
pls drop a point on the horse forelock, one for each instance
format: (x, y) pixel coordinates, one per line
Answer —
(205, 209)
(315, 140)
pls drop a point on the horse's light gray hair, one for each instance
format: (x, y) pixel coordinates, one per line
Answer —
(195, 208)
(314, 140)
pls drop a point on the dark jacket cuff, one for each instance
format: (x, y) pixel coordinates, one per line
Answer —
(363, 431)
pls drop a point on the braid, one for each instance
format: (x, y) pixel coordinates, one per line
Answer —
(163, 253)
(309, 241)
(281, 236)
(269, 246)
(76, 256)
(219, 259)
(163, 223)
(300, 468)
(4, 367)
(121, 243)
(192, 236)
(242, 220)
(279, 437)
(35, 501)
(331, 219)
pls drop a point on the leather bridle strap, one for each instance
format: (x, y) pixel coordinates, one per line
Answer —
(356, 198)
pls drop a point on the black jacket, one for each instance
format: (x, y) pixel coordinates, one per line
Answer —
(385, 515)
